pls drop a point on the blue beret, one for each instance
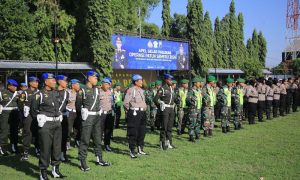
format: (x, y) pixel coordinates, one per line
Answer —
(24, 84)
(168, 76)
(136, 77)
(47, 76)
(33, 78)
(12, 82)
(74, 81)
(106, 80)
(61, 77)
(92, 73)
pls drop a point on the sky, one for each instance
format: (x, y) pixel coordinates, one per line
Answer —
(267, 16)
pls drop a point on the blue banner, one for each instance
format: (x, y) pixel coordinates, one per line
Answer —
(149, 54)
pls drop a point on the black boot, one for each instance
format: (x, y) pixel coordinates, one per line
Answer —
(56, 173)
(192, 139)
(101, 162)
(178, 132)
(210, 133)
(132, 154)
(141, 150)
(205, 133)
(198, 136)
(83, 165)
(224, 130)
(228, 128)
(152, 128)
(163, 145)
(43, 174)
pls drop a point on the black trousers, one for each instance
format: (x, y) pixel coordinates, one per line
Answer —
(27, 132)
(167, 121)
(71, 124)
(295, 101)
(251, 112)
(77, 126)
(261, 107)
(117, 116)
(90, 127)
(107, 124)
(4, 128)
(136, 128)
(276, 104)
(289, 100)
(282, 104)
(50, 144)
(269, 105)
(65, 133)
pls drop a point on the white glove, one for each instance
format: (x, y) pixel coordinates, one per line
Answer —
(26, 111)
(1, 108)
(100, 112)
(162, 105)
(60, 118)
(84, 113)
(41, 118)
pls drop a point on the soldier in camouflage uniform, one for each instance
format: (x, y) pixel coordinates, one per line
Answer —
(224, 97)
(182, 109)
(153, 112)
(149, 94)
(194, 102)
(209, 101)
(238, 99)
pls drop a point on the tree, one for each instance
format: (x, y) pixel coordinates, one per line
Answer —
(207, 44)
(165, 30)
(18, 40)
(217, 44)
(194, 27)
(262, 49)
(99, 30)
(150, 29)
(233, 60)
(178, 26)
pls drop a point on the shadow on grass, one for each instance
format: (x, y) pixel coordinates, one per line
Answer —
(13, 161)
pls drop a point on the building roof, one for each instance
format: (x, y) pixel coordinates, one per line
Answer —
(225, 71)
(45, 65)
(267, 72)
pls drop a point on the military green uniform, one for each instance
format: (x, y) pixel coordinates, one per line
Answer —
(149, 95)
(194, 102)
(182, 109)
(208, 117)
(9, 120)
(238, 100)
(118, 104)
(224, 97)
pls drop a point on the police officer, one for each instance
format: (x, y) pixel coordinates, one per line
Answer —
(165, 100)
(194, 102)
(89, 101)
(261, 105)
(9, 116)
(269, 99)
(282, 106)
(107, 111)
(49, 119)
(73, 121)
(29, 121)
(238, 97)
(224, 97)
(120, 58)
(252, 96)
(295, 94)
(276, 97)
(182, 107)
(182, 60)
(289, 95)
(63, 97)
(118, 103)
(209, 101)
(135, 106)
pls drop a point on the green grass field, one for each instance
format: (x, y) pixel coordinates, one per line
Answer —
(269, 150)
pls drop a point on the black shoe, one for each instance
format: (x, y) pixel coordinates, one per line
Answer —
(224, 130)
(43, 174)
(132, 154)
(228, 128)
(64, 157)
(37, 152)
(205, 133)
(83, 166)
(101, 162)
(25, 156)
(107, 148)
(163, 146)
(141, 151)
(198, 136)
(56, 173)
(152, 128)
(179, 132)
(14, 148)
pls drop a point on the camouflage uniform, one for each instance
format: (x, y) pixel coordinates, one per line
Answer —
(182, 109)
(194, 102)
(209, 101)
(224, 97)
(151, 107)
(238, 99)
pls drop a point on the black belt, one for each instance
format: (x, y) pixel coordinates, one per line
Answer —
(253, 96)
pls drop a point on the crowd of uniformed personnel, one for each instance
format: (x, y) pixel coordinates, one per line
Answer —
(65, 111)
